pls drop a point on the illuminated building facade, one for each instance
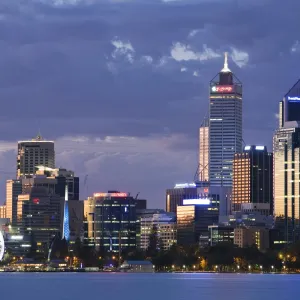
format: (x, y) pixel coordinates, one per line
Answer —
(286, 149)
(31, 154)
(225, 126)
(39, 217)
(253, 178)
(2, 211)
(110, 221)
(13, 190)
(163, 225)
(66, 221)
(175, 196)
(203, 170)
(193, 219)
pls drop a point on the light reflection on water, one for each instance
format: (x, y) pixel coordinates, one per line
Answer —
(65, 286)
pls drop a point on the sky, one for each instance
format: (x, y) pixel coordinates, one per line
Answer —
(121, 86)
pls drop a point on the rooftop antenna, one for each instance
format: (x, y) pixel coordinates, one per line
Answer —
(225, 69)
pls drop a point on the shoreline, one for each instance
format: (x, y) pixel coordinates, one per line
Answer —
(155, 272)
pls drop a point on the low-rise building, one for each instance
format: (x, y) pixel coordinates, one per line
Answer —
(143, 266)
(163, 225)
(247, 237)
(220, 234)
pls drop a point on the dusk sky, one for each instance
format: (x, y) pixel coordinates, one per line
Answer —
(122, 86)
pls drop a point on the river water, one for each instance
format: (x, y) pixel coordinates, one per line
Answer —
(126, 286)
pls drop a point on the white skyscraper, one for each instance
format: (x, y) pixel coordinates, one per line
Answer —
(225, 126)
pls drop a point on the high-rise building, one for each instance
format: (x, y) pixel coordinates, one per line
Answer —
(193, 219)
(225, 125)
(175, 196)
(13, 190)
(2, 211)
(286, 151)
(31, 154)
(63, 177)
(253, 179)
(39, 217)
(110, 221)
(203, 169)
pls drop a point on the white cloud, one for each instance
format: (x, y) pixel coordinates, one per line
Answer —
(181, 52)
(240, 58)
(147, 59)
(193, 32)
(196, 74)
(295, 47)
(183, 69)
(123, 49)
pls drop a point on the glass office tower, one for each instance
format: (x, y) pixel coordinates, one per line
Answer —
(225, 125)
(253, 179)
(110, 221)
(286, 148)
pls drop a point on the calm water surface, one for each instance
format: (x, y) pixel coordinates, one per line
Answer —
(65, 286)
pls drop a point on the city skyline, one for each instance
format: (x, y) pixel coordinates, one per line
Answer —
(70, 88)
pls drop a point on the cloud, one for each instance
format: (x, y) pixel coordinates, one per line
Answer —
(240, 58)
(295, 47)
(183, 69)
(193, 32)
(147, 59)
(123, 49)
(182, 52)
(118, 162)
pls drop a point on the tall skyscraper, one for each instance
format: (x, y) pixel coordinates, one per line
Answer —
(225, 125)
(13, 190)
(253, 180)
(203, 169)
(34, 153)
(286, 151)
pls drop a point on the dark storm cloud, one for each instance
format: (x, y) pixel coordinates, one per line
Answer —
(60, 72)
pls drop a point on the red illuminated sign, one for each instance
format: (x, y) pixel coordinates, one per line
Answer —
(205, 190)
(222, 89)
(111, 195)
(36, 200)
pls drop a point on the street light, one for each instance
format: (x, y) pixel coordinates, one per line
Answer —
(194, 267)
(261, 267)
(249, 267)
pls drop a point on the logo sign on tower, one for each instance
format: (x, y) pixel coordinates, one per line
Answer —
(293, 98)
(222, 89)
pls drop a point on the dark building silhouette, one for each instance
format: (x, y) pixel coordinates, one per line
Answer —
(253, 180)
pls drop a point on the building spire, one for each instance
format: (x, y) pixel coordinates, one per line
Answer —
(225, 69)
